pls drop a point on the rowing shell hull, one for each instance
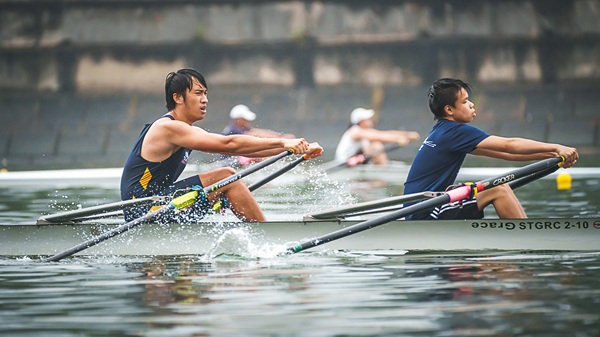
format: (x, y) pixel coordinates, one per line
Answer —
(577, 234)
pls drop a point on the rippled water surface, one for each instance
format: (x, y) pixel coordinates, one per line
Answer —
(331, 293)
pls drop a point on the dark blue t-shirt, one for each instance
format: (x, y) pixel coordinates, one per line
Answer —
(439, 158)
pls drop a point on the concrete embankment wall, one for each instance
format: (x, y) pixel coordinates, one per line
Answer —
(80, 78)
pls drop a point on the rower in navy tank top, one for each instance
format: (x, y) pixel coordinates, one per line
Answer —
(162, 150)
(142, 178)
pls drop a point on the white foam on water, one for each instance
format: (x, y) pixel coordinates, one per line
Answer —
(245, 243)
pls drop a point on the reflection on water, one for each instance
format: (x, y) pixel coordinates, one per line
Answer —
(326, 294)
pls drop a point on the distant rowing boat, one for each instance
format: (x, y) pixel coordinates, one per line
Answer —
(548, 234)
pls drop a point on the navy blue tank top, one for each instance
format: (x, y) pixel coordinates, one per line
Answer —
(142, 178)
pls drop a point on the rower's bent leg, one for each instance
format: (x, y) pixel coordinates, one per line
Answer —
(504, 200)
(242, 202)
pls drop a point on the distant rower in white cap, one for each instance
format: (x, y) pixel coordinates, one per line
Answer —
(241, 124)
(361, 138)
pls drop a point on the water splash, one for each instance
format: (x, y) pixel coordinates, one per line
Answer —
(317, 189)
(243, 242)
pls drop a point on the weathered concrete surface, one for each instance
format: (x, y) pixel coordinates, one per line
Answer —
(79, 79)
(91, 131)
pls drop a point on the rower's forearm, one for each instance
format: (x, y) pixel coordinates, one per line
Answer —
(264, 153)
(251, 146)
(533, 156)
(522, 146)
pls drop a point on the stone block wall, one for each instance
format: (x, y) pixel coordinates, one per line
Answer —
(79, 77)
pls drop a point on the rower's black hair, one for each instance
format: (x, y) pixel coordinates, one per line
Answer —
(445, 92)
(179, 82)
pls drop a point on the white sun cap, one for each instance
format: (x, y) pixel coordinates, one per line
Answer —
(242, 111)
(360, 114)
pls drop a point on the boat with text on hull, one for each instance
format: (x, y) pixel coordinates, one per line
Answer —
(84, 229)
(548, 234)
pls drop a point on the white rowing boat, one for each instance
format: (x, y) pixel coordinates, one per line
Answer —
(322, 230)
(548, 234)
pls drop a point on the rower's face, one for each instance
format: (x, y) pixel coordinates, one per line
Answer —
(463, 110)
(367, 123)
(196, 99)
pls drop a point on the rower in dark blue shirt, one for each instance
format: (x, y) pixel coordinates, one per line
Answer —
(442, 153)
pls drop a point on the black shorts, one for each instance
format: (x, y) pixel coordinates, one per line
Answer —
(194, 212)
(457, 210)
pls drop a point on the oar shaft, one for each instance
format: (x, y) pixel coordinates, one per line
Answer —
(177, 203)
(422, 206)
(247, 171)
(534, 168)
(456, 194)
(277, 173)
(107, 235)
(368, 205)
(80, 213)
(532, 177)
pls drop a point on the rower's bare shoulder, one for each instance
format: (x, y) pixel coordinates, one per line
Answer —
(168, 126)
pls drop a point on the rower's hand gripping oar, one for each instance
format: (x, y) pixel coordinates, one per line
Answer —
(177, 203)
(457, 194)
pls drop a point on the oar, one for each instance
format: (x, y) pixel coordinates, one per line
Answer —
(513, 185)
(457, 194)
(534, 176)
(177, 203)
(362, 158)
(277, 173)
(94, 210)
(79, 214)
(369, 205)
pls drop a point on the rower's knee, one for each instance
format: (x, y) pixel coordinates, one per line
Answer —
(223, 172)
(216, 175)
(504, 189)
(493, 195)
